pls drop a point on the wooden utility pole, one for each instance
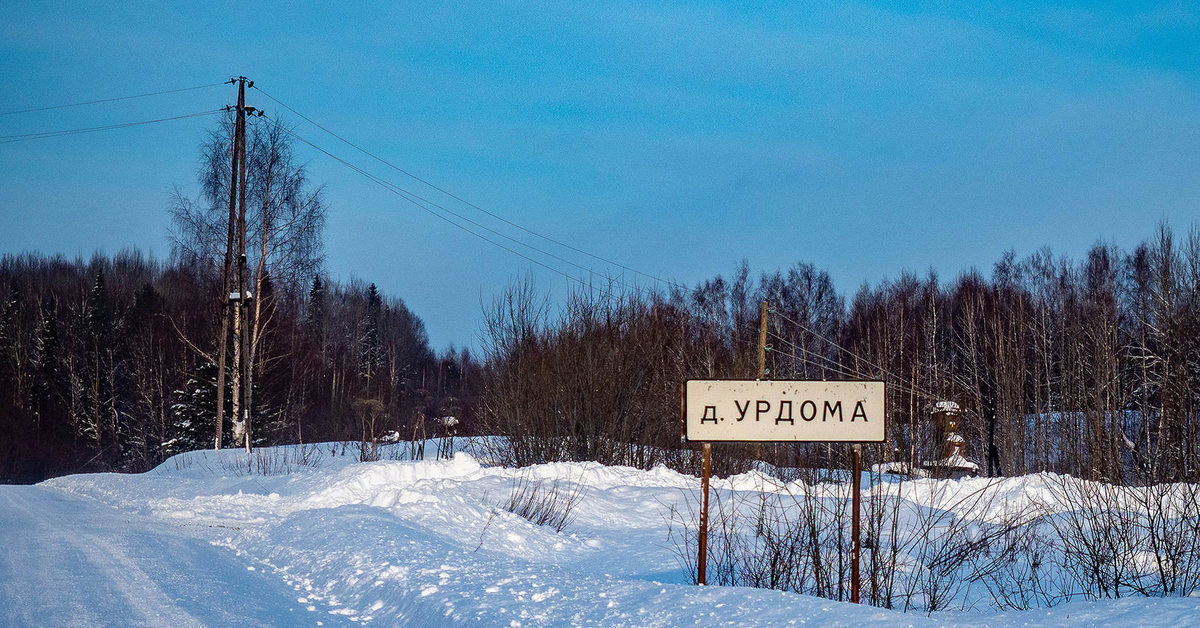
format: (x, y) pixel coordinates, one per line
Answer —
(243, 328)
(242, 383)
(234, 291)
(762, 342)
(237, 152)
(762, 359)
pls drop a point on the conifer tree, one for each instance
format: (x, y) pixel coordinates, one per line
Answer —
(370, 354)
(10, 345)
(192, 414)
(47, 375)
(314, 320)
(96, 415)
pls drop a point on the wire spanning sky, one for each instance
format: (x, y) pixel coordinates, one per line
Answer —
(676, 139)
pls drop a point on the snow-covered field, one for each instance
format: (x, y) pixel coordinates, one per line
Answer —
(294, 537)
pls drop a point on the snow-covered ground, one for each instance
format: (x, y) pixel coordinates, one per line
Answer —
(296, 537)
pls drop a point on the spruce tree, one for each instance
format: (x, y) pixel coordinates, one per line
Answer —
(314, 321)
(47, 382)
(10, 324)
(192, 415)
(96, 415)
(370, 353)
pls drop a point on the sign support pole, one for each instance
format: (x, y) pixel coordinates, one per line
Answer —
(856, 501)
(702, 557)
(702, 550)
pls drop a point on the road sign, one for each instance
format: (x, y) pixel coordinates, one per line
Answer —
(783, 411)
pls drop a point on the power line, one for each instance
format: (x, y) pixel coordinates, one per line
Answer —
(466, 202)
(842, 369)
(104, 100)
(835, 344)
(838, 368)
(422, 203)
(25, 137)
(425, 204)
(830, 363)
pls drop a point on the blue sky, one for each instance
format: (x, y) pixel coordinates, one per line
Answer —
(676, 138)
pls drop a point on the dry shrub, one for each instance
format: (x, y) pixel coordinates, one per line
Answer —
(550, 505)
(796, 537)
(1115, 540)
(272, 461)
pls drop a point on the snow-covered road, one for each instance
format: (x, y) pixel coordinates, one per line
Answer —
(72, 561)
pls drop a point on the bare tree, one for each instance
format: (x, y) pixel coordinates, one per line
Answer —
(285, 220)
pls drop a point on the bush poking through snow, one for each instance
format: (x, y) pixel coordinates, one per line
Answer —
(934, 545)
(272, 460)
(1118, 540)
(550, 505)
(773, 538)
(370, 411)
(796, 537)
(948, 553)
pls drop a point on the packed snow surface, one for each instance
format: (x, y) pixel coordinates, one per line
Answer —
(296, 536)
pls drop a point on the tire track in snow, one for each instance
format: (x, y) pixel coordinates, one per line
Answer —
(70, 561)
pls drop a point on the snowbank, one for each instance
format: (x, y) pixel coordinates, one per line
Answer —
(428, 543)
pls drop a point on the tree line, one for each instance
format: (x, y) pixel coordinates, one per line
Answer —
(1089, 367)
(99, 372)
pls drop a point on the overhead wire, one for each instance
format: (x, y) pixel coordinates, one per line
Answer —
(785, 341)
(836, 344)
(464, 201)
(825, 363)
(104, 100)
(425, 205)
(25, 137)
(839, 369)
(842, 369)
(422, 203)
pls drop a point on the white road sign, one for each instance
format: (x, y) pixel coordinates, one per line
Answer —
(777, 410)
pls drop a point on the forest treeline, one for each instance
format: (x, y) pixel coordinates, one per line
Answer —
(106, 365)
(1089, 367)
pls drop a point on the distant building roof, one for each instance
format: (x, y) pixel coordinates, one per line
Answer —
(946, 406)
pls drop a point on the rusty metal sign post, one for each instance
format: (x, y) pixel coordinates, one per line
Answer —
(783, 411)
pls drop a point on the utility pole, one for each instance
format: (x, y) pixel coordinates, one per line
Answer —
(234, 302)
(226, 284)
(762, 340)
(761, 373)
(241, 424)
